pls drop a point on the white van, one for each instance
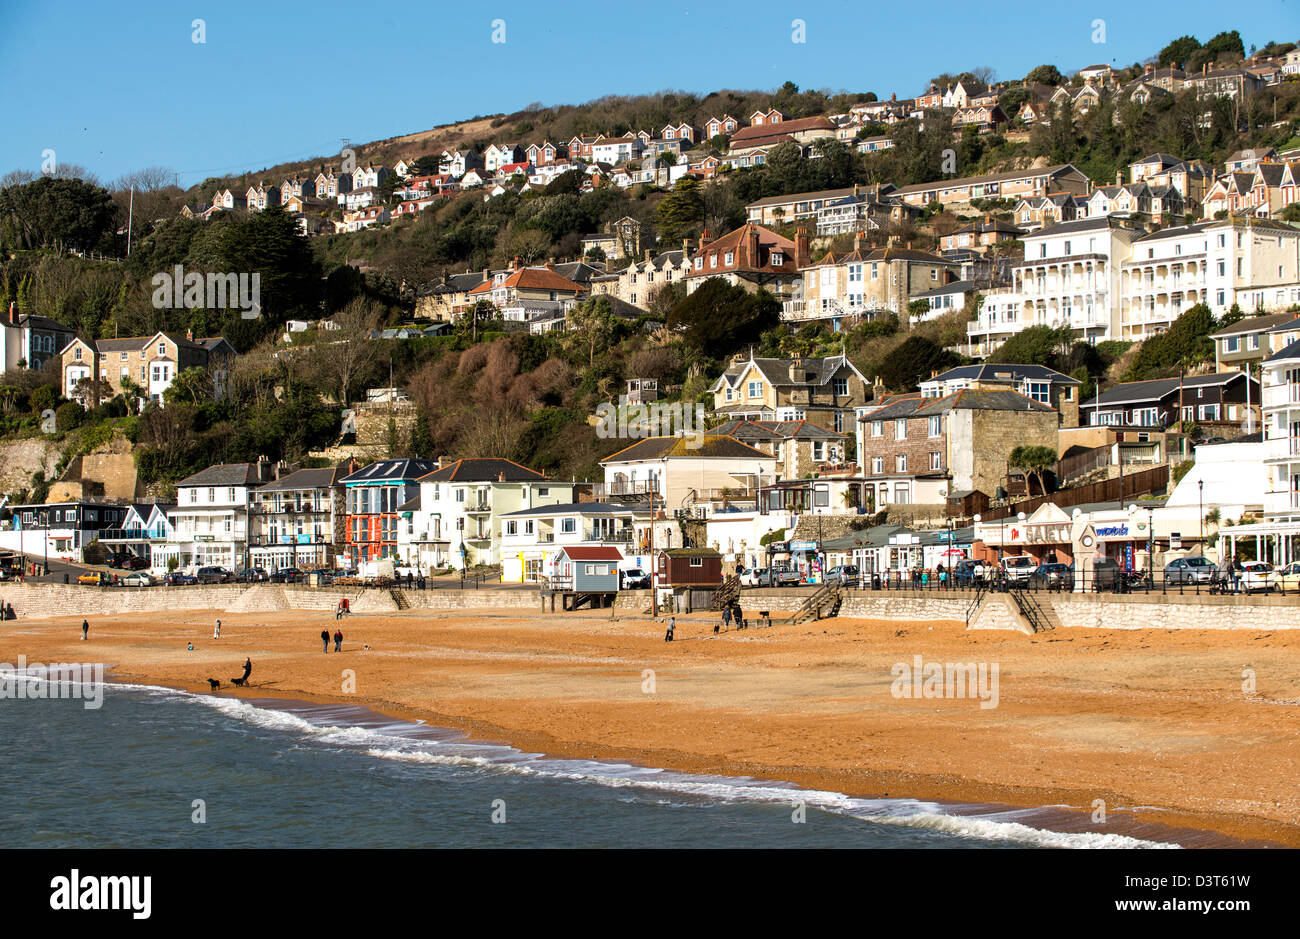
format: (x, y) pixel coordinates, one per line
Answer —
(1020, 567)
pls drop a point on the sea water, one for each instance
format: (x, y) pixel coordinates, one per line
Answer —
(158, 768)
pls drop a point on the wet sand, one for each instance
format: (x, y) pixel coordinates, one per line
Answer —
(1155, 723)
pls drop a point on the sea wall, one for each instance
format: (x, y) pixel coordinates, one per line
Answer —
(1130, 611)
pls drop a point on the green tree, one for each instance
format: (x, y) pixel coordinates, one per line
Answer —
(718, 319)
(1035, 345)
(1178, 52)
(681, 212)
(590, 325)
(1034, 460)
(1045, 75)
(913, 361)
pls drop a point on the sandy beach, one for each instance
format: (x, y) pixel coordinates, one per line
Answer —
(1155, 723)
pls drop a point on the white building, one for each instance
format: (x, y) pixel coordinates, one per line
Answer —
(684, 471)
(1070, 276)
(210, 520)
(454, 521)
(531, 539)
(1248, 261)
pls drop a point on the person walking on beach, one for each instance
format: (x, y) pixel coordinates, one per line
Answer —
(338, 640)
(216, 630)
(672, 624)
(85, 630)
(248, 669)
(338, 611)
(726, 618)
(325, 639)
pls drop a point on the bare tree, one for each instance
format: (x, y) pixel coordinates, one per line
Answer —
(345, 351)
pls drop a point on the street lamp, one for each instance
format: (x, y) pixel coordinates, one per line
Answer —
(1200, 487)
(975, 520)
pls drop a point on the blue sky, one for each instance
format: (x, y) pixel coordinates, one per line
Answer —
(118, 87)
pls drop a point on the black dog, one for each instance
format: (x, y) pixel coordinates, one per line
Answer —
(239, 682)
(213, 684)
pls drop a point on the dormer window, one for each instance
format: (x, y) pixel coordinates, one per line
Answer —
(778, 259)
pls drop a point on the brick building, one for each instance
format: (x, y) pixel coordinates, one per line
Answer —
(918, 449)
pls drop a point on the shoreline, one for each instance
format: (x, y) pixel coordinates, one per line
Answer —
(567, 712)
(1149, 824)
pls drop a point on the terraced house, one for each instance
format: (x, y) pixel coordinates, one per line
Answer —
(374, 497)
(143, 365)
(919, 449)
(454, 520)
(822, 391)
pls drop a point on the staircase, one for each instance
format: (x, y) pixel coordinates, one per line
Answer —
(825, 602)
(727, 594)
(400, 598)
(981, 590)
(1032, 611)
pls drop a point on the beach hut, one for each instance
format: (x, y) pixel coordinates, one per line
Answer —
(688, 575)
(590, 569)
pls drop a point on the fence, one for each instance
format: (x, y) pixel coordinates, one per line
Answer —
(1117, 490)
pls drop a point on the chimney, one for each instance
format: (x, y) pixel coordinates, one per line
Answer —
(189, 334)
(1119, 178)
(13, 312)
(857, 241)
(550, 264)
(515, 263)
(801, 248)
(501, 477)
(647, 255)
(751, 253)
(686, 247)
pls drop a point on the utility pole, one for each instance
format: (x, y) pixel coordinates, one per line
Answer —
(130, 217)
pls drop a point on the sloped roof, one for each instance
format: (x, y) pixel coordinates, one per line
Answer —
(592, 553)
(795, 125)
(224, 474)
(1251, 324)
(777, 371)
(303, 479)
(967, 399)
(1015, 372)
(483, 469)
(534, 278)
(713, 446)
(388, 471)
(775, 430)
(1154, 389)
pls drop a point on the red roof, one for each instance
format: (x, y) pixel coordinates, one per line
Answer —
(593, 554)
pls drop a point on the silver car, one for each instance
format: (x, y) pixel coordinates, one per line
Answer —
(1189, 570)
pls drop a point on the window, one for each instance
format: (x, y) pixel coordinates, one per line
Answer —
(1039, 391)
(755, 389)
(778, 259)
(230, 494)
(568, 525)
(1209, 412)
(900, 429)
(935, 423)
(730, 258)
(697, 562)
(818, 451)
(877, 428)
(212, 495)
(936, 460)
(1230, 344)
(900, 463)
(877, 464)
(841, 387)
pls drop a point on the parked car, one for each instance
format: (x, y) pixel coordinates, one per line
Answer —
(779, 577)
(138, 579)
(94, 578)
(213, 575)
(1257, 575)
(179, 579)
(750, 578)
(286, 575)
(635, 579)
(1286, 579)
(250, 575)
(1107, 574)
(1019, 568)
(963, 572)
(846, 575)
(1054, 576)
(1193, 569)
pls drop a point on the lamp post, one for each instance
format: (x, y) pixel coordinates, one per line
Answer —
(975, 520)
(1200, 487)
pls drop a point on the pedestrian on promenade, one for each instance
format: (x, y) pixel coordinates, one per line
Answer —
(85, 630)
(672, 624)
(338, 640)
(325, 639)
(338, 611)
(726, 618)
(216, 630)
